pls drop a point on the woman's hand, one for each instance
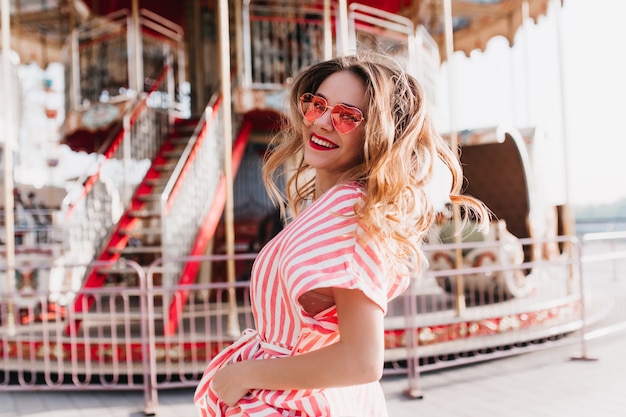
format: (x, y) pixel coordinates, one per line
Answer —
(227, 384)
(357, 358)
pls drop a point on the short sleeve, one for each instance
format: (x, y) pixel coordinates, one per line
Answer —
(330, 249)
(353, 266)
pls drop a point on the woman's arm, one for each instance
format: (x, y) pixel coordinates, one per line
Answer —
(357, 358)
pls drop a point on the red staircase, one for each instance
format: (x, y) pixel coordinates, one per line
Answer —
(205, 234)
(136, 236)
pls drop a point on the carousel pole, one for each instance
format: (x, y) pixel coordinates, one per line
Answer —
(328, 31)
(342, 31)
(74, 78)
(525, 17)
(9, 218)
(135, 67)
(233, 320)
(567, 221)
(454, 144)
(137, 64)
(239, 40)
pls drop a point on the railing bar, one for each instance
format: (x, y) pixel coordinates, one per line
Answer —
(279, 19)
(606, 331)
(379, 14)
(603, 236)
(87, 44)
(162, 21)
(405, 30)
(168, 34)
(604, 256)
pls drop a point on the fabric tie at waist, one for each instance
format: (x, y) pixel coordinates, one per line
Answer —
(250, 345)
(273, 349)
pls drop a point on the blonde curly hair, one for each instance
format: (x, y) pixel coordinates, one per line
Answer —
(400, 149)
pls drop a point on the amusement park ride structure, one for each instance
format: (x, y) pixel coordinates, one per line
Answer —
(159, 234)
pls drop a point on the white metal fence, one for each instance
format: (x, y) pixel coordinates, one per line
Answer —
(121, 342)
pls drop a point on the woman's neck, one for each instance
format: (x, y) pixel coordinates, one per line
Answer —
(319, 190)
(324, 183)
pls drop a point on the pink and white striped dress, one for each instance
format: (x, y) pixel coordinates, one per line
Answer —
(323, 247)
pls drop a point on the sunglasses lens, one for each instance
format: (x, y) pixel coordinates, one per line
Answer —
(346, 119)
(312, 107)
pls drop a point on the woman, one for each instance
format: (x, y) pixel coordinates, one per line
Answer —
(320, 288)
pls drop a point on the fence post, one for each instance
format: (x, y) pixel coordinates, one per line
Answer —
(150, 391)
(413, 360)
(581, 288)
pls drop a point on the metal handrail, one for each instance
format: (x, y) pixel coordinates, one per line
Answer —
(119, 25)
(381, 24)
(88, 227)
(162, 26)
(382, 18)
(269, 59)
(198, 131)
(262, 62)
(105, 152)
(190, 192)
(123, 146)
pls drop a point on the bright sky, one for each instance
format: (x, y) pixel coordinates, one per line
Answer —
(520, 86)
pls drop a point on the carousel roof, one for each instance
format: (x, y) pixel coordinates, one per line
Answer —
(42, 25)
(474, 22)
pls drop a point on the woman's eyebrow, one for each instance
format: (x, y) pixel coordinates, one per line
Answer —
(343, 102)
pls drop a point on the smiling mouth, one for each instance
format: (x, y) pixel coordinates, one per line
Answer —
(323, 143)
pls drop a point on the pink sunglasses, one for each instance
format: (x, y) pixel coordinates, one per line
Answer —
(344, 118)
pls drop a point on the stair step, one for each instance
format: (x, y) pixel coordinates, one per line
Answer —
(149, 197)
(179, 140)
(169, 166)
(156, 182)
(188, 126)
(145, 214)
(174, 153)
(187, 121)
(136, 250)
(142, 231)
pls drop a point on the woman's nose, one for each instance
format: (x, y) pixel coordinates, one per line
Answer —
(325, 121)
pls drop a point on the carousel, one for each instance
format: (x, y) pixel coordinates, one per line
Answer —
(143, 265)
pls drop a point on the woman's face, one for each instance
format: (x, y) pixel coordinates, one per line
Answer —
(330, 152)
